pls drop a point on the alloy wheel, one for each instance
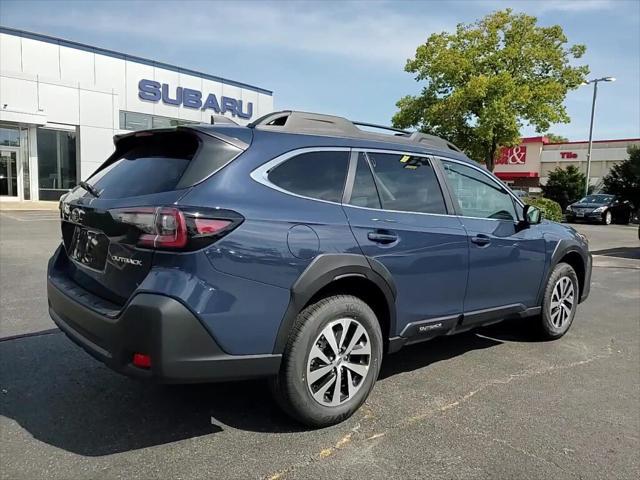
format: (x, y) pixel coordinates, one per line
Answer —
(338, 362)
(562, 302)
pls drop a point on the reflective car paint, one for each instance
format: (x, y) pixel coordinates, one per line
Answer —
(428, 261)
(242, 315)
(240, 286)
(508, 269)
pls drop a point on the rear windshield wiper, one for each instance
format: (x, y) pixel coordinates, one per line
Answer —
(89, 188)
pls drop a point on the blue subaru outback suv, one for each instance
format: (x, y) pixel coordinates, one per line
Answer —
(302, 248)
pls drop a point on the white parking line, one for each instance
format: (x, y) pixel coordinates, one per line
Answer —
(31, 216)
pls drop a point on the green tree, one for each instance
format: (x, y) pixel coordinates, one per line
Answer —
(553, 138)
(488, 79)
(624, 178)
(565, 185)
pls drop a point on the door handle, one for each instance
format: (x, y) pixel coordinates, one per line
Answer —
(481, 240)
(382, 237)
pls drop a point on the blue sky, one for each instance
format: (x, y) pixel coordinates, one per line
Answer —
(345, 58)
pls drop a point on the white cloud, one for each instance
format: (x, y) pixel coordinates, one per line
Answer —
(576, 5)
(385, 33)
(372, 32)
(540, 7)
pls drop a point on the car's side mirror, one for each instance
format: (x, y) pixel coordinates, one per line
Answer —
(532, 215)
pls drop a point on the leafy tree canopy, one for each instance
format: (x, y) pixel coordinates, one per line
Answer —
(624, 178)
(565, 185)
(489, 78)
(553, 138)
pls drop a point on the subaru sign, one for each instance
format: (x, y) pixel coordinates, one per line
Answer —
(153, 91)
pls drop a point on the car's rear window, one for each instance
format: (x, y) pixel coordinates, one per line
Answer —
(161, 162)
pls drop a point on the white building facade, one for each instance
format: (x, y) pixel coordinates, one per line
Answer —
(62, 102)
(527, 166)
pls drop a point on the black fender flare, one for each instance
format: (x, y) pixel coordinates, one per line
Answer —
(564, 247)
(323, 270)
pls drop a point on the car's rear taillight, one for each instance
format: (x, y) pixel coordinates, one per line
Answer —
(208, 226)
(169, 230)
(177, 228)
(141, 360)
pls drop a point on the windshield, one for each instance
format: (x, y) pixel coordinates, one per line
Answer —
(596, 199)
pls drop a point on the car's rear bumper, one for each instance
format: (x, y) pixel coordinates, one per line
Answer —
(181, 349)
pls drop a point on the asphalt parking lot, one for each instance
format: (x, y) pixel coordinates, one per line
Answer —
(490, 403)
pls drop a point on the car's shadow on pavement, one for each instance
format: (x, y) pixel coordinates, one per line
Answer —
(620, 252)
(63, 397)
(420, 355)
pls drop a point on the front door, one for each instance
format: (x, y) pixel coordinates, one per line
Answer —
(506, 262)
(9, 175)
(397, 213)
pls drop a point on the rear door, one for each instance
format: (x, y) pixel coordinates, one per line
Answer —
(398, 214)
(101, 228)
(506, 262)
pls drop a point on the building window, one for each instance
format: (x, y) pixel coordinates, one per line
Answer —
(142, 121)
(9, 137)
(57, 164)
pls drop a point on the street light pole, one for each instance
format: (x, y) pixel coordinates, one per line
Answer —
(593, 111)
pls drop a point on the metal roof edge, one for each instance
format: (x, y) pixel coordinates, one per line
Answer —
(125, 56)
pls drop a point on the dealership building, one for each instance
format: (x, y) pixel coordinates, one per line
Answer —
(527, 166)
(62, 102)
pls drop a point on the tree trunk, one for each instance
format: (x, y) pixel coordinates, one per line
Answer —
(491, 155)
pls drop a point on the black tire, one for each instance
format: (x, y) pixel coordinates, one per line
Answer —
(291, 389)
(548, 323)
(607, 217)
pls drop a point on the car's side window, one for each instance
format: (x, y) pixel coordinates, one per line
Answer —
(477, 194)
(518, 210)
(364, 192)
(406, 183)
(318, 175)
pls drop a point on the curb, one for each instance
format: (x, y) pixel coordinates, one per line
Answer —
(28, 206)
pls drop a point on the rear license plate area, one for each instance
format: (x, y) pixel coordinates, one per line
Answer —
(89, 248)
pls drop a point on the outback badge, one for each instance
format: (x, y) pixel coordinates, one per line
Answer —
(130, 261)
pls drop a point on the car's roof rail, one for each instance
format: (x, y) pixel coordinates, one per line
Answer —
(397, 131)
(291, 121)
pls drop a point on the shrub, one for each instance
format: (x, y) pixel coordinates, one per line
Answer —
(565, 185)
(550, 210)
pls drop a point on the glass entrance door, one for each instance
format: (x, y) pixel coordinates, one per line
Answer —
(57, 162)
(9, 175)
